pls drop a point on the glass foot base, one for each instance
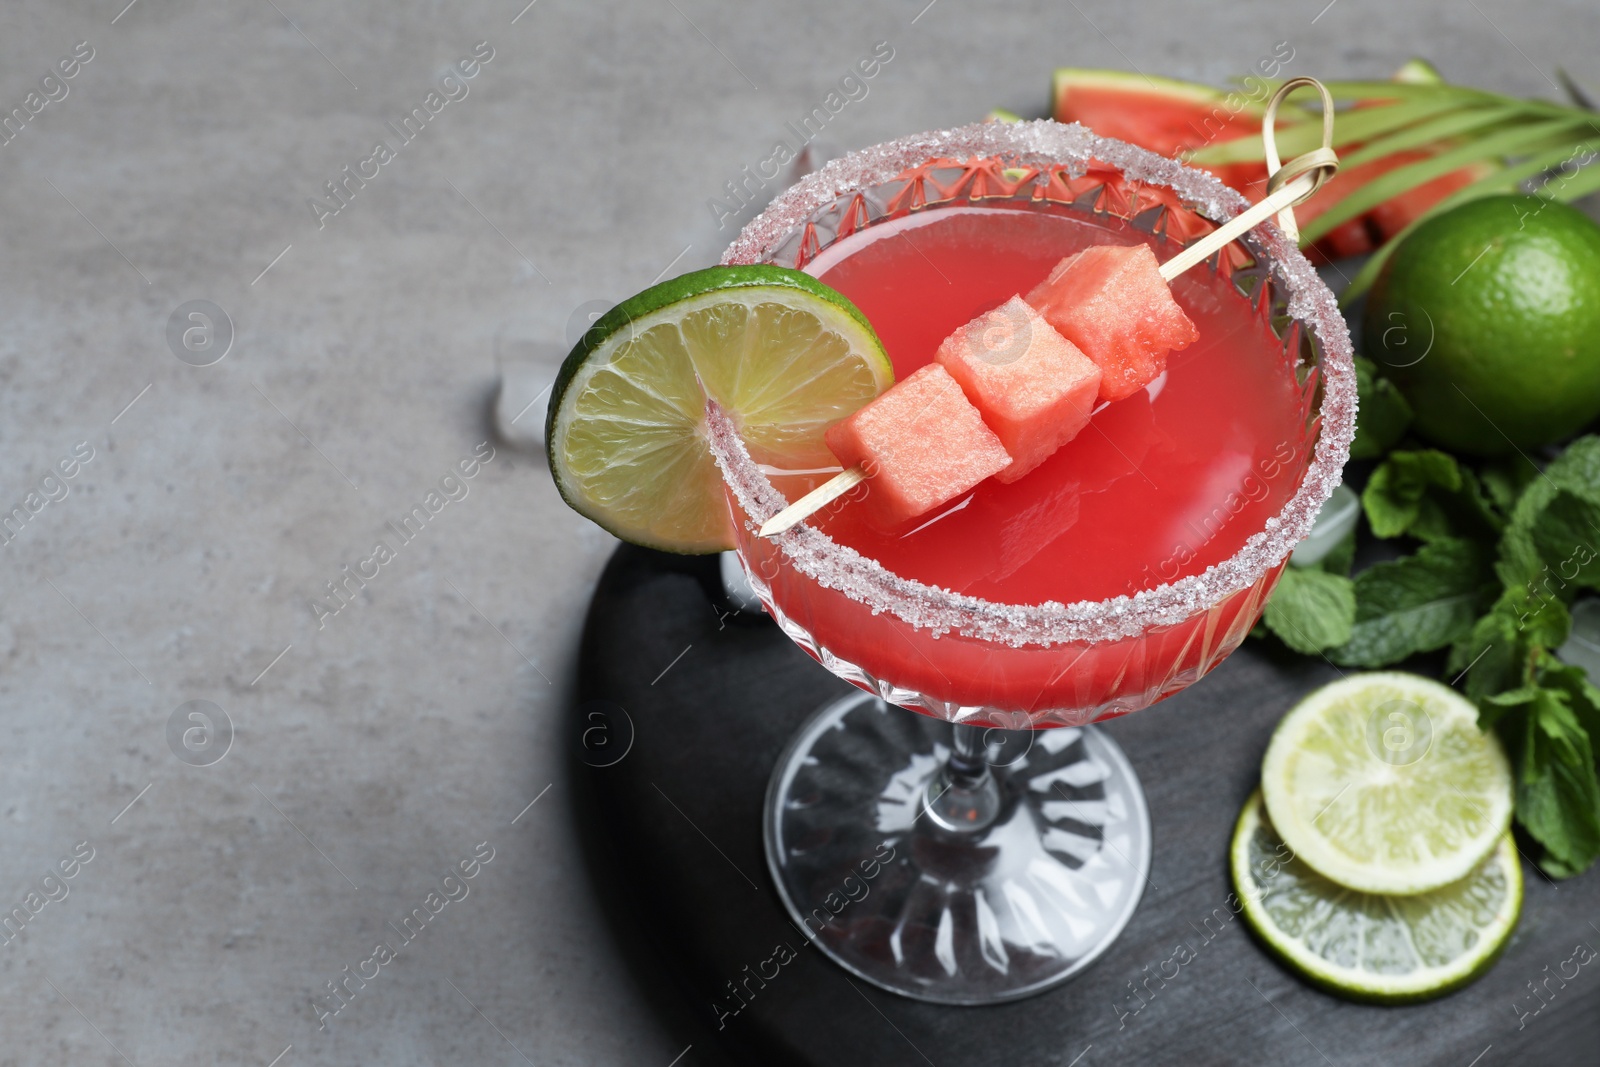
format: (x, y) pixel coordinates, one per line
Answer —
(868, 843)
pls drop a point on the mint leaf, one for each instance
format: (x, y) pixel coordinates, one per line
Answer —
(1577, 469)
(1393, 496)
(1416, 604)
(1547, 723)
(1311, 610)
(1531, 594)
(1548, 548)
(1383, 415)
(1492, 657)
(1505, 479)
(1543, 620)
(1463, 513)
(1558, 795)
(1547, 522)
(1582, 696)
(1498, 653)
(1514, 699)
(1428, 495)
(1519, 563)
(1564, 534)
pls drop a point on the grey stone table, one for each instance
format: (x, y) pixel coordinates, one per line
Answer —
(243, 346)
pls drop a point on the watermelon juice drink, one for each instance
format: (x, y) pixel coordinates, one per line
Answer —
(1160, 487)
(1121, 569)
(1165, 482)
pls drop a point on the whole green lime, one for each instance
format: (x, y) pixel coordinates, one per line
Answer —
(1488, 319)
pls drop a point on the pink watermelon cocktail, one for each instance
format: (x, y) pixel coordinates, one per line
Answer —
(1129, 561)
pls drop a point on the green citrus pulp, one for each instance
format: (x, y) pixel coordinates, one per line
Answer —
(784, 355)
(1366, 946)
(1383, 782)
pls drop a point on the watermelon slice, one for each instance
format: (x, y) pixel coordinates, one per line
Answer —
(1175, 117)
(922, 443)
(1033, 387)
(1111, 301)
(1165, 115)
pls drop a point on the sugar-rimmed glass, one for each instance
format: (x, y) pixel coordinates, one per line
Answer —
(974, 862)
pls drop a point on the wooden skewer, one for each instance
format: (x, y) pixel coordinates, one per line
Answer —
(1207, 246)
(1289, 184)
(813, 502)
(1197, 253)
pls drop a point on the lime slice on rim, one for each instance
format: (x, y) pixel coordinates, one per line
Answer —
(1384, 783)
(1369, 946)
(783, 354)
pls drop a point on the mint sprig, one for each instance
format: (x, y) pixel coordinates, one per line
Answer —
(1500, 550)
(1546, 725)
(1311, 610)
(1420, 603)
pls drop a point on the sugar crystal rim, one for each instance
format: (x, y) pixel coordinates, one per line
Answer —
(1043, 143)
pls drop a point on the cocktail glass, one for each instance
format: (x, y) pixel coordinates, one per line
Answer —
(996, 844)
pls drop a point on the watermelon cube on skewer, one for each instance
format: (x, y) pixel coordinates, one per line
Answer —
(1034, 388)
(1012, 386)
(1112, 303)
(922, 443)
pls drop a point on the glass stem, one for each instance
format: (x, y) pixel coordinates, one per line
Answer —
(964, 796)
(968, 764)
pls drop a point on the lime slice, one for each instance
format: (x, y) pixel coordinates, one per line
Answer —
(1384, 783)
(783, 354)
(1368, 946)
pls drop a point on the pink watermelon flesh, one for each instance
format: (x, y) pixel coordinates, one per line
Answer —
(1033, 387)
(922, 443)
(1111, 301)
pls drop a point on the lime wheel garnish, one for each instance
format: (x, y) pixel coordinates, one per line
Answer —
(782, 354)
(1371, 946)
(1385, 783)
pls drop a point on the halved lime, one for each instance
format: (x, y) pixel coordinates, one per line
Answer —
(1369, 946)
(783, 354)
(1384, 783)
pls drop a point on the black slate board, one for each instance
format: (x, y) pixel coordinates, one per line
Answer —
(673, 834)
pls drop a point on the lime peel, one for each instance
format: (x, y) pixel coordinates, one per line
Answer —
(783, 354)
(1372, 947)
(1384, 782)
(1487, 318)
